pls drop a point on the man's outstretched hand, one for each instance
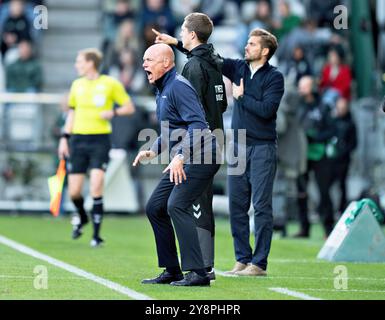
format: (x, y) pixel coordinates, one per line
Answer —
(164, 38)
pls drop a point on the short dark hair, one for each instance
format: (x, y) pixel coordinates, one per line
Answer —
(268, 40)
(339, 50)
(201, 24)
(94, 55)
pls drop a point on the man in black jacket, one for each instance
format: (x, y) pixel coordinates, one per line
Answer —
(316, 120)
(203, 70)
(345, 143)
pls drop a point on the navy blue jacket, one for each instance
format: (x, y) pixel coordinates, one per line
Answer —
(179, 107)
(257, 110)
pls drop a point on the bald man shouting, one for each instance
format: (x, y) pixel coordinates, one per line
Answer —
(192, 148)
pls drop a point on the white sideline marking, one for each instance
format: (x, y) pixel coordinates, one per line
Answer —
(82, 273)
(295, 294)
(305, 261)
(221, 273)
(347, 290)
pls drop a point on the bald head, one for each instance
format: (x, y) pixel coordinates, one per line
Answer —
(157, 60)
(305, 85)
(160, 50)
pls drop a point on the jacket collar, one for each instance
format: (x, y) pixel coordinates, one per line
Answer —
(263, 67)
(167, 77)
(200, 50)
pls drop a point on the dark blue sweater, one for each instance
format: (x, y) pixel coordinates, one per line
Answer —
(178, 107)
(257, 110)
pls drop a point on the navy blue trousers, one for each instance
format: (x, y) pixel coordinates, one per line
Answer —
(170, 205)
(256, 185)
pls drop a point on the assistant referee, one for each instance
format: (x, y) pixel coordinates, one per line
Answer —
(86, 138)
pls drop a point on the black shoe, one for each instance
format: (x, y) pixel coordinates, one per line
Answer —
(192, 279)
(211, 274)
(302, 234)
(164, 278)
(281, 229)
(77, 227)
(96, 242)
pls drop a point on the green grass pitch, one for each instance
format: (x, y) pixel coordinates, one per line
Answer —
(129, 255)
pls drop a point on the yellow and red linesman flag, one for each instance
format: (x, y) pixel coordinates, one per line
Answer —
(55, 185)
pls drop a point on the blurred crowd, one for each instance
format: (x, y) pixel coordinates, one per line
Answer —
(20, 42)
(316, 129)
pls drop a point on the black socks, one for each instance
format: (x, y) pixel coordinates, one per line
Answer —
(97, 215)
(79, 204)
(177, 270)
(174, 270)
(201, 272)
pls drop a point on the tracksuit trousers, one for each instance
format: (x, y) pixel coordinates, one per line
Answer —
(169, 207)
(202, 210)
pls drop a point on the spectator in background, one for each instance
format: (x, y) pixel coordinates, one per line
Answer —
(155, 14)
(24, 75)
(108, 6)
(129, 72)
(263, 16)
(317, 122)
(261, 19)
(215, 9)
(16, 27)
(126, 37)
(181, 8)
(336, 76)
(112, 20)
(292, 158)
(292, 151)
(322, 11)
(287, 21)
(345, 142)
(29, 6)
(309, 37)
(297, 67)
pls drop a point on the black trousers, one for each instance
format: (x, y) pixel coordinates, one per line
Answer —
(340, 174)
(169, 207)
(202, 210)
(323, 171)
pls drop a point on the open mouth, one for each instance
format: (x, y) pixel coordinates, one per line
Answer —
(149, 75)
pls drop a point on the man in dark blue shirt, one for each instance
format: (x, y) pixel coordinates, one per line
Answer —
(190, 171)
(257, 88)
(204, 71)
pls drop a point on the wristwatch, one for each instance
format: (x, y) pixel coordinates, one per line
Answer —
(180, 156)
